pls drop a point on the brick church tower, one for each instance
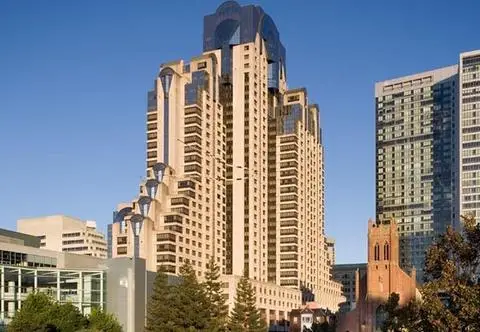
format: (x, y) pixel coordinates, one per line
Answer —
(384, 276)
(383, 259)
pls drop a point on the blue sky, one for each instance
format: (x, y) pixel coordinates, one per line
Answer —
(74, 77)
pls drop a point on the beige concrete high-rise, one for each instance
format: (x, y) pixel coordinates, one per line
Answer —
(67, 234)
(234, 168)
(330, 242)
(179, 215)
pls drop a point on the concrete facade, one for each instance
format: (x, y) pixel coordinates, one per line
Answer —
(274, 302)
(330, 243)
(67, 234)
(234, 166)
(7, 236)
(383, 277)
(346, 275)
(120, 286)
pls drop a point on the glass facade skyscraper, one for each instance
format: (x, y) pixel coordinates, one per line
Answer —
(415, 158)
(427, 153)
(469, 139)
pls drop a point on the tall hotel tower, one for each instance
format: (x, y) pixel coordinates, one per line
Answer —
(469, 138)
(234, 168)
(428, 153)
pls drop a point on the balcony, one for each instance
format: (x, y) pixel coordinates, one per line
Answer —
(193, 109)
(193, 169)
(289, 240)
(193, 118)
(288, 156)
(289, 282)
(174, 228)
(179, 201)
(289, 223)
(187, 193)
(193, 129)
(289, 231)
(287, 190)
(166, 237)
(186, 184)
(288, 206)
(288, 274)
(166, 259)
(152, 126)
(286, 198)
(152, 117)
(288, 173)
(166, 247)
(173, 218)
(193, 139)
(290, 248)
(289, 215)
(288, 182)
(193, 159)
(288, 139)
(289, 164)
(288, 257)
(289, 147)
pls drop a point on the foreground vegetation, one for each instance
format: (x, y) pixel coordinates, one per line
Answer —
(451, 293)
(190, 305)
(40, 313)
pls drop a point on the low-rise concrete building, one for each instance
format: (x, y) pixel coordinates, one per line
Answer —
(67, 234)
(345, 274)
(120, 286)
(274, 301)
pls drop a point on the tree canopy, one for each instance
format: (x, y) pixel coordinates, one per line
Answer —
(216, 306)
(39, 312)
(187, 305)
(245, 316)
(451, 293)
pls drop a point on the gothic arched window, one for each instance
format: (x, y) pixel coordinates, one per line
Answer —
(376, 252)
(386, 251)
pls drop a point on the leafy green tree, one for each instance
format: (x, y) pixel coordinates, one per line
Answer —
(245, 316)
(160, 313)
(40, 313)
(33, 315)
(67, 318)
(217, 308)
(100, 321)
(401, 318)
(451, 293)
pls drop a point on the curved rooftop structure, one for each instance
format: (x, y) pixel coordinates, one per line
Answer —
(232, 24)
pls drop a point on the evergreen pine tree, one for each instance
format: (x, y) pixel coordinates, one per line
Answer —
(190, 302)
(160, 312)
(245, 316)
(217, 309)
